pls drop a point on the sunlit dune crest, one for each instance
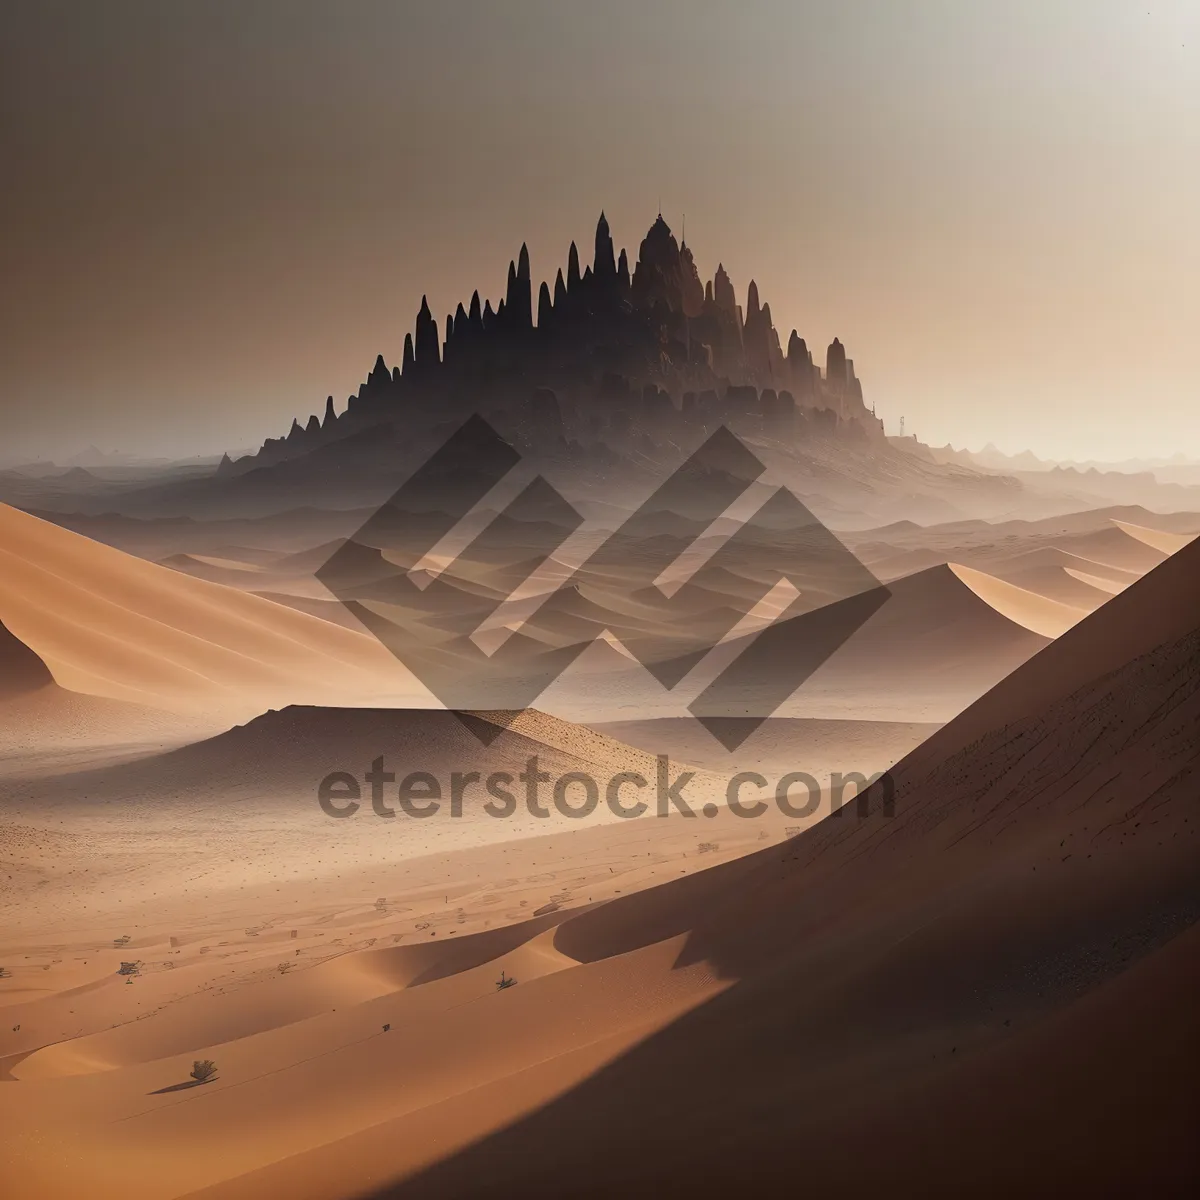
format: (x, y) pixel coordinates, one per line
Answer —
(113, 625)
(1167, 542)
(1040, 614)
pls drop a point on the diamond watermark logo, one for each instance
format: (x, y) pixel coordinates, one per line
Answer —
(491, 623)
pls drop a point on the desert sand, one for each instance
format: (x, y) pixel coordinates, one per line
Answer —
(1025, 913)
(928, 1002)
(112, 625)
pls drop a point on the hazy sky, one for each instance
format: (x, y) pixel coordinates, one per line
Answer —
(215, 214)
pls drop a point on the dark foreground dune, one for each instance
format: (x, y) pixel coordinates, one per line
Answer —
(991, 992)
(988, 990)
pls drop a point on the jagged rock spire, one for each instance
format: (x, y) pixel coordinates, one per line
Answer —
(545, 309)
(693, 289)
(314, 425)
(519, 297)
(462, 325)
(623, 271)
(752, 305)
(427, 343)
(560, 292)
(605, 265)
(657, 278)
(407, 369)
(572, 268)
(758, 336)
(475, 317)
(380, 374)
(330, 415)
(835, 365)
(723, 292)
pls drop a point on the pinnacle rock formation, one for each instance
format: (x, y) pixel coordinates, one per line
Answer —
(617, 353)
(573, 269)
(835, 366)
(604, 265)
(428, 353)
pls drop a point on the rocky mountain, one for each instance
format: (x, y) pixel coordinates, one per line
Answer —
(614, 360)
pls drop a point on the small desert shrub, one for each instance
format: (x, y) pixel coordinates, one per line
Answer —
(4, 972)
(203, 1069)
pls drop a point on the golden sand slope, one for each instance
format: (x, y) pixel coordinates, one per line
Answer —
(113, 625)
(990, 988)
(21, 671)
(1168, 543)
(279, 942)
(44, 727)
(1040, 614)
(989, 978)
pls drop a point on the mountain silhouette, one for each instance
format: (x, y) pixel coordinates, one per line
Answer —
(615, 358)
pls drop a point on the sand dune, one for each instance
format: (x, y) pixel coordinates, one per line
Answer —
(44, 727)
(52, 729)
(1163, 606)
(987, 979)
(1038, 613)
(1075, 589)
(781, 744)
(1001, 970)
(21, 671)
(1108, 537)
(1164, 540)
(941, 640)
(1115, 547)
(1096, 582)
(112, 625)
(933, 646)
(215, 569)
(282, 756)
(274, 941)
(1045, 566)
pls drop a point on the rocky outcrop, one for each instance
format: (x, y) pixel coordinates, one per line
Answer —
(519, 296)
(723, 294)
(800, 367)
(604, 266)
(573, 270)
(658, 276)
(835, 367)
(692, 288)
(679, 343)
(428, 344)
(623, 279)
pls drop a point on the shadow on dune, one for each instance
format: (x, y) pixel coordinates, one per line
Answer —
(990, 993)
